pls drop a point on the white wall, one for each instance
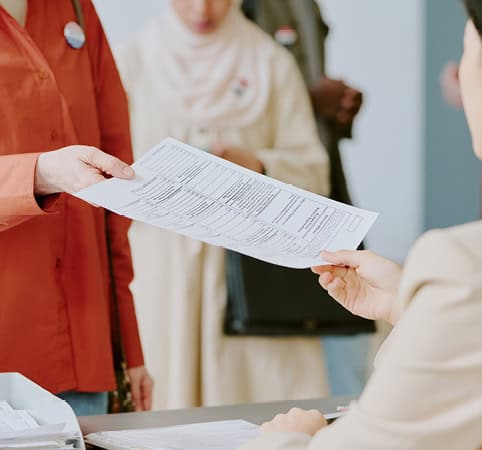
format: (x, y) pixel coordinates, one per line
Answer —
(378, 46)
(122, 18)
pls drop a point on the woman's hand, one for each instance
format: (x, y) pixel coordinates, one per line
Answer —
(141, 388)
(73, 168)
(296, 421)
(364, 283)
(240, 157)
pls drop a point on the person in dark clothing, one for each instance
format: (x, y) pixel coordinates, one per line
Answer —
(298, 25)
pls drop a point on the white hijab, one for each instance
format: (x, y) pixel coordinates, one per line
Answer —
(217, 80)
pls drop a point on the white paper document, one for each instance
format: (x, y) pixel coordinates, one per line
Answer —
(227, 435)
(191, 192)
(18, 429)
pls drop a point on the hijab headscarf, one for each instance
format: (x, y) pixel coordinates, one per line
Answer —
(221, 79)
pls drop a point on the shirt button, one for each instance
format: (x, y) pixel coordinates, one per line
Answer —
(54, 135)
(58, 263)
(43, 75)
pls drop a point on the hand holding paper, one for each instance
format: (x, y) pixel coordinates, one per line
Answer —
(182, 189)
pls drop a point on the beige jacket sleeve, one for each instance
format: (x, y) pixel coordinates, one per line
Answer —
(426, 392)
(297, 155)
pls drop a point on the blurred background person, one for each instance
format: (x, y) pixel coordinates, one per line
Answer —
(299, 26)
(450, 84)
(54, 270)
(204, 74)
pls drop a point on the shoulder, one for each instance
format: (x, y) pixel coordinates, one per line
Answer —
(133, 56)
(275, 59)
(266, 44)
(457, 248)
(469, 237)
(282, 64)
(451, 256)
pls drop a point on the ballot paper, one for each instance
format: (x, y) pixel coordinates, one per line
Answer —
(186, 190)
(226, 435)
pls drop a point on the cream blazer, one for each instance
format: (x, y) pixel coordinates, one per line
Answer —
(426, 392)
(180, 284)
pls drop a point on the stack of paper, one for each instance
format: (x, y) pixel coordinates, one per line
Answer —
(19, 430)
(227, 435)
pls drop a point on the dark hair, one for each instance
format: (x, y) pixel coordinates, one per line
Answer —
(474, 9)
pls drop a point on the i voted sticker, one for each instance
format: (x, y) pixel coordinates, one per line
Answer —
(286, 36)
(74, 35)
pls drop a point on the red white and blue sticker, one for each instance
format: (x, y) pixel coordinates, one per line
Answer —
(286, 36)
(74, 35)
(240, 86)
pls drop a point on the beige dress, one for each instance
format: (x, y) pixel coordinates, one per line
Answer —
(180, 287)
(426, 392)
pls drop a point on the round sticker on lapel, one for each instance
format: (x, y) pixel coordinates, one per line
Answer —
(286, 36)
(240, 86)
(74, 35)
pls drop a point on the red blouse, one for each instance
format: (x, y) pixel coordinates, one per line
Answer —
(54, 279)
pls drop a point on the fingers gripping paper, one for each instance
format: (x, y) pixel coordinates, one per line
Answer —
(191, 192)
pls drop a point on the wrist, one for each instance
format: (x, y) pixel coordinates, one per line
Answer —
(393, 276)
(43, 184)
(395, 311)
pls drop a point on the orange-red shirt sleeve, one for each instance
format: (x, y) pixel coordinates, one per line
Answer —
(116, 140)
(17, 199)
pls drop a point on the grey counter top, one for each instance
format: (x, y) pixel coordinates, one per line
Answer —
(255, 413)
